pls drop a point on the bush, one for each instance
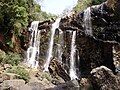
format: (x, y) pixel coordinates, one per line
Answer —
(2, 56)
(22, 72)
(10, 58)
(46, 75)
(95, 2)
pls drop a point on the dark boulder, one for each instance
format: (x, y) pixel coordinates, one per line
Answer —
(104, 79)
(56, 69)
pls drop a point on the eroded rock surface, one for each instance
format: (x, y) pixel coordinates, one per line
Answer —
(104, 79)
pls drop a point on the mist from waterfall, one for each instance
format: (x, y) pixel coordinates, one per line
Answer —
(33, 50)
(55, 25)
(72, 57)
(87, 22)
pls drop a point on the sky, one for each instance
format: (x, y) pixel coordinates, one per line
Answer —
(57, 6)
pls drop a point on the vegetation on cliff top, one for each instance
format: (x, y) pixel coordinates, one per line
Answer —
(82, 4)
(15, 16)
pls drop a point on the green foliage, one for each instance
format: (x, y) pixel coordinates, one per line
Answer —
(16, 14)
(22, 72)
(37, 8)
(94, 2)
(83, 4)
(46, 75)
(10, 58)
(2, 56)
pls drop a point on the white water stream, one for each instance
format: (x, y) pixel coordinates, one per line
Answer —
(33, 50)
(87, 22)
(72, 57)
(55, 25)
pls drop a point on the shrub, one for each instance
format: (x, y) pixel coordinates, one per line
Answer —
(22, 72)
(2, 56)
(46, 75)
(10, 58)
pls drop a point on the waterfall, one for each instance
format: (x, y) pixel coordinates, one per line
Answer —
(59, 52)
(60, 45)
(33, 50)
(72, 57)
(87, 22)
(55, 25)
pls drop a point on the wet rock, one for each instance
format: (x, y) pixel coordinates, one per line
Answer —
(45, 24)
(93, 54)
(105, 23)
(94, 50)
(104, 79)
(56, 69)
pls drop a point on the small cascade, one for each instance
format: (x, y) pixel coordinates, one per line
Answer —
(60, 45)
(72, 57)
(87, 22)
(33, 50)
(55, 25)
(59, 52)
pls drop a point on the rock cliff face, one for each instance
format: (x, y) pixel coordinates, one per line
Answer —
(94, 41)
(105, 23)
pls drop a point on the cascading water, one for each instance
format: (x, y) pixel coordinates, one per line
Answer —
(72, 57)
(55, 25)
(87, 22)
(59, 52)
(60, 45)
(33, 50)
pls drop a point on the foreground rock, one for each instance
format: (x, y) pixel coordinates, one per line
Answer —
(104, 79)
(85, 84)
(6, 66)
(20, 85)
(9, 76)
(70, 85)
(12, 84)
(56, 69)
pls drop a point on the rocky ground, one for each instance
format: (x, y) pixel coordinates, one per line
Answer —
(38, 80)
(101, 78)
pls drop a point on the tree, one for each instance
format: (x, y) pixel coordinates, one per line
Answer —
(15, 16)
(83, 4)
